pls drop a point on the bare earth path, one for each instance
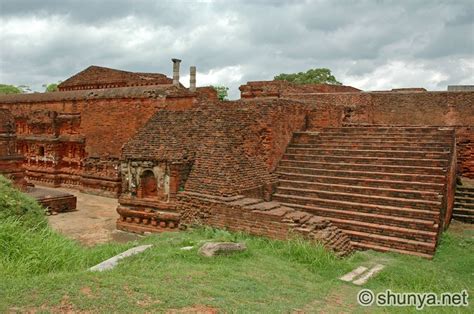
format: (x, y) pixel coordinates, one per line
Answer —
(93, 222)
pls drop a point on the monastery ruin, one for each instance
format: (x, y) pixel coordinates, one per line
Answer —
(349, 168)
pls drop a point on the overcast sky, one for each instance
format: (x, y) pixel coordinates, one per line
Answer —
(371, 45)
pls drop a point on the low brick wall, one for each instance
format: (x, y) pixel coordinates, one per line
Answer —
(280, 223)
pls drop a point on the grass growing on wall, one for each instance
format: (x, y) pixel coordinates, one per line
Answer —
(43, 271)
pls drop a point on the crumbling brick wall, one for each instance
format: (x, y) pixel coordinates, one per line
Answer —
(284, 89)
(107, 119)
(454, 109)
(280, 223)
(333, 107)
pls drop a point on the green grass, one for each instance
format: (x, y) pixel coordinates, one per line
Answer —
(41, 270)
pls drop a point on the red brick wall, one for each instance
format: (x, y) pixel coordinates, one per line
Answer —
(106, 123)
(287, 89)
(454, 109)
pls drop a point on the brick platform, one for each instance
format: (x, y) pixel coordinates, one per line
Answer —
(54, 200)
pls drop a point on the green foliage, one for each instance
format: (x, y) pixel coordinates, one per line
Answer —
(15, 204)
(12, 89)
(39, 267)
(53, 87)
(29, 246)
(270, 277)
(221, 91)
(312, 76)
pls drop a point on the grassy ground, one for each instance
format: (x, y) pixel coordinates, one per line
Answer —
(42, 271)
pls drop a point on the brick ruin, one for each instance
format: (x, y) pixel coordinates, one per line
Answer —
(11, 162)
(12, 167)
(347, 168)
(73, 137)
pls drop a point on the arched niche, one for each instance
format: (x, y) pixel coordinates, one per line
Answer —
(148, 184)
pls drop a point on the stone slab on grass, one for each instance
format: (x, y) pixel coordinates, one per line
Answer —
(218, 248)
(113, 261)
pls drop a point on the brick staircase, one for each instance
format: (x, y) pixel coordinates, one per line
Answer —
(464, 204)
(382, 185)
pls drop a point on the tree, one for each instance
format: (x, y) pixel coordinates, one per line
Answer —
(312, 76)
(53, 87)
(12, 89)
(221, 91)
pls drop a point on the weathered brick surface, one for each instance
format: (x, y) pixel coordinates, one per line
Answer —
(280, 223)
(348, 175)
(95, 77)
(232, 147)
(401, 107)
(105, 119)
(284, 89)
(11, 163)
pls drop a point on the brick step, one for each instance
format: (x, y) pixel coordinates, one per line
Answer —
(390, 136)
(392, 242)
(432, 215)
(463, 211)
(424, 162)
(460, 193)
(381, 183)
(390, 133)
(465, 189)
(367, 190)
(421, 236)
(366, 246)
(464, 199)
(362, 167)
(365, 146)
(458, 204)
(368, 153)
(407, 138)
(365, 174)
(382, 129)
(464, 218)
(394, 221)
(361, 198)
(380, 140)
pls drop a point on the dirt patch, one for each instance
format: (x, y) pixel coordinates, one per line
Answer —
(65, 307)
(461, 229)
(93, 222)
(87, 291)
(196, 309)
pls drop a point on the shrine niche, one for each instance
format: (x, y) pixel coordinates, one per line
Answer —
(145, 179)
(148, 185)
(147, 202)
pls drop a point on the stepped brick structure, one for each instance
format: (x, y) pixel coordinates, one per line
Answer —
(347, 168)
(464, 204)
(385, 187)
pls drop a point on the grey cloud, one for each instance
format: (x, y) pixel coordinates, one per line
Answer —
(264, 38)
